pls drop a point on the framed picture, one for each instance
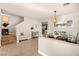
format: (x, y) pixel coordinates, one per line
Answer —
(5, 19)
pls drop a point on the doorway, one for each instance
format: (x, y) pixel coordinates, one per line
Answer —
(44, 28)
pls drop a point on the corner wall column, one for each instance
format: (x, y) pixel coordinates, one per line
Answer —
(0, 41)
(0, 28)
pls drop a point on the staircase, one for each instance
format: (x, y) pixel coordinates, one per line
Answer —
(7, 39)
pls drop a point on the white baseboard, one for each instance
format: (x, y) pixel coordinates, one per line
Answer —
(43, 54)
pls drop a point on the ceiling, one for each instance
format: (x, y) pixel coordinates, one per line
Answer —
(39, 10)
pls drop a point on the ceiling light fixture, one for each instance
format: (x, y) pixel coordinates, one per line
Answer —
(55, 18)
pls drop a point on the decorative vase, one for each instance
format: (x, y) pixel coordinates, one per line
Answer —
(5, 24)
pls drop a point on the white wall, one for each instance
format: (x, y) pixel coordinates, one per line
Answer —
(25, 26)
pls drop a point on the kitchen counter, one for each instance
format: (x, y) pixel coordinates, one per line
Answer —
(53, 47)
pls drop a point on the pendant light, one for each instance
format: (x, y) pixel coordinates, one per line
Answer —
(55, 18)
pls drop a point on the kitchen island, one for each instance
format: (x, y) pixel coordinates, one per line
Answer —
(53, 47)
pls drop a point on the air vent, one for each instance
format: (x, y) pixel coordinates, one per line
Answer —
(65, 4)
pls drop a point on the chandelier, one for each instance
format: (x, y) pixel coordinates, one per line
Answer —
(55, 18)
